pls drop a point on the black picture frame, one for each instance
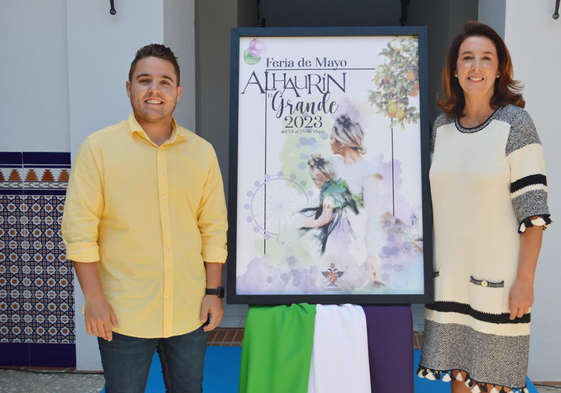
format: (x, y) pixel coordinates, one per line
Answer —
(236, 151)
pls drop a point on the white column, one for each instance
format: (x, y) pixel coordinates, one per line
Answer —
(213, 60)
(492, 13)
(533, 39)
(179, 35)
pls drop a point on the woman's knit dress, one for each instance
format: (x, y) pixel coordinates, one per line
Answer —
(487, 184)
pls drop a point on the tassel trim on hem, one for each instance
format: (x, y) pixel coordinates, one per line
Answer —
(475, 386)
(540, 221)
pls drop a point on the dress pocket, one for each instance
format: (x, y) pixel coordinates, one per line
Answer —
(486, 296)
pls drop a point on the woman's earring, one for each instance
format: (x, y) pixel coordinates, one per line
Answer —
(340, 149)
(497, 76)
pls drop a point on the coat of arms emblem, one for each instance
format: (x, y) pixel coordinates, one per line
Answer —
(332, 274)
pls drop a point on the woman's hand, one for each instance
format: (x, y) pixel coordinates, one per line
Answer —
(520, 298)
(374, 270)
(325, 218)
(309, 222)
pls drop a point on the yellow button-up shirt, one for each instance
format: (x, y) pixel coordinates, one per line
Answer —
(151, 216)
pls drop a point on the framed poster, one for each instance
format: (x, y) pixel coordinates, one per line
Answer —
(329, 158)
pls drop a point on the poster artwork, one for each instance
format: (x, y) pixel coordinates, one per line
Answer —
(329, 193)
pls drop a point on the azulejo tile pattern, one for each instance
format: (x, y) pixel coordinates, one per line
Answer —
(36, 280)
(31, 173)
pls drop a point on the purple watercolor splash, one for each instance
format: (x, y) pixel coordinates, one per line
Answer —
(262, 278)
(256, 47)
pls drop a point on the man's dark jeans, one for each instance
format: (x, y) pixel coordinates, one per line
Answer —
(126, 362)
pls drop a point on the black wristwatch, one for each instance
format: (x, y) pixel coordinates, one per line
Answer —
(216, 291)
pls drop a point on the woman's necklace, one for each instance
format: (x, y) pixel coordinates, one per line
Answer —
(477, 122)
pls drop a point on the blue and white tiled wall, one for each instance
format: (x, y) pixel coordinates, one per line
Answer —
(36, 280)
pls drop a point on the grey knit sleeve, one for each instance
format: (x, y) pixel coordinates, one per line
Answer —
(528, 185)
(439, 122)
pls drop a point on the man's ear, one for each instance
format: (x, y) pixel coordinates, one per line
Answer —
(128, 85)
(179, 91)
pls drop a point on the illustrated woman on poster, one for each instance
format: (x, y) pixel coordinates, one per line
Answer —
(330, 220)
(335, 226)
(347, 140)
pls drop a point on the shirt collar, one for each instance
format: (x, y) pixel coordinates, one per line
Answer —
(135, 128)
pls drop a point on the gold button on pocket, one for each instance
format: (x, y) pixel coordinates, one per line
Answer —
(487, 296)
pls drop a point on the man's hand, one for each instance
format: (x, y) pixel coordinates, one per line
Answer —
(98, 312)
(520, 298)
(212, 305)
(99, 318)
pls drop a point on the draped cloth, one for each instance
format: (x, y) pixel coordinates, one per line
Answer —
(390, 348)
(277, 347)
(302, 348)
(340, 354)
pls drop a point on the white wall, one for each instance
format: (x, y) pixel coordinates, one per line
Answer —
(33, 76)
(533, 39)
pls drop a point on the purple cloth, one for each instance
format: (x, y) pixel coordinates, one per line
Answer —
(390, 348)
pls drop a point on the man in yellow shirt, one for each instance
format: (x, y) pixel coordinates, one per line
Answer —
(145, 225)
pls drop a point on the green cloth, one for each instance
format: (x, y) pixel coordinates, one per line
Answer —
(277, 349)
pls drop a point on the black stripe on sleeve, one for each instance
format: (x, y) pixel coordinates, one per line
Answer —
(528, 181)
(466, 309)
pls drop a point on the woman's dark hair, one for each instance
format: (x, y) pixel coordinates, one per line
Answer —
(507, 90)
(155, 50)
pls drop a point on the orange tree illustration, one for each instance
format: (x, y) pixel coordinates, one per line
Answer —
(396, 80)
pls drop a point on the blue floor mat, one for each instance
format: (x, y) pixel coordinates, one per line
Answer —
(222, 371)
(222, 374)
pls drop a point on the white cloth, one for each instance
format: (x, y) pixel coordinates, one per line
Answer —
(340, 351)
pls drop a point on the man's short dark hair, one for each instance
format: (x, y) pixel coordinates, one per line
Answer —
(155, 50)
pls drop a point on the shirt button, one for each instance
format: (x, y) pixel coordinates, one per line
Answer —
(484, 283)
(168, 271)
(165, 222)
(163, 197)
(167, 297)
